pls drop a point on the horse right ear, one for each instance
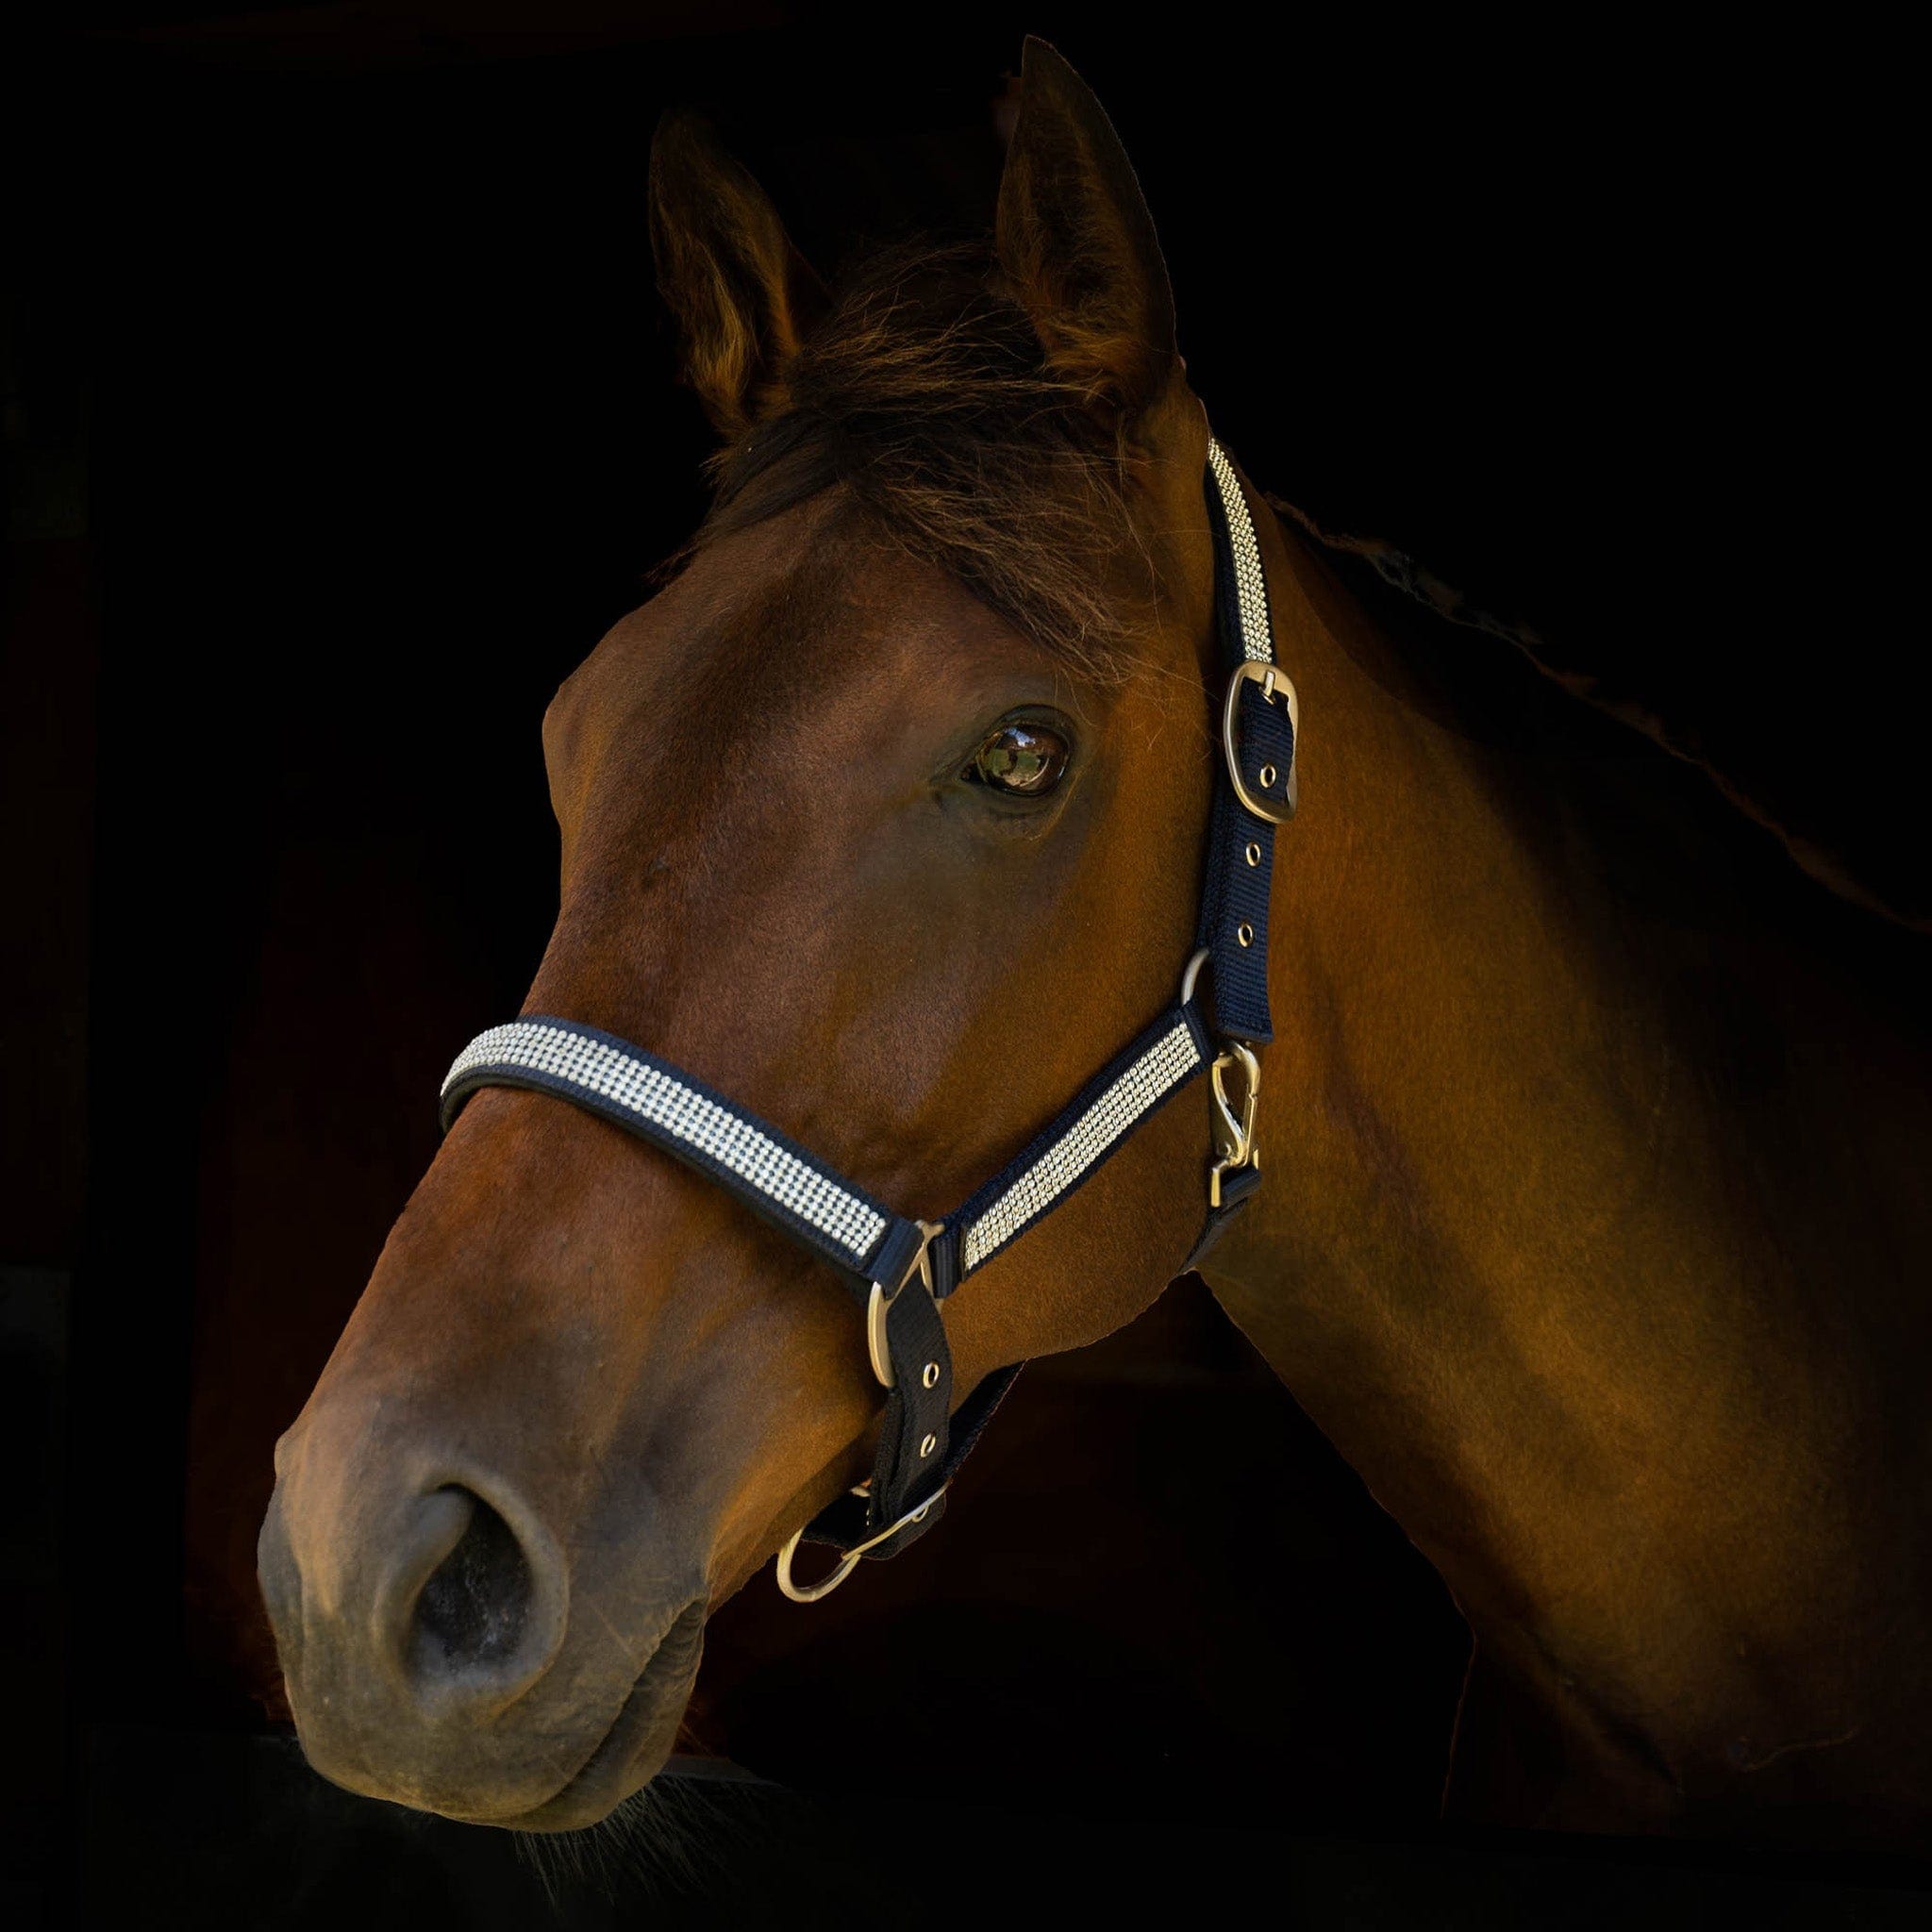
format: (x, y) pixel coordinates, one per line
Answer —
(743, 295)
(1077, 243)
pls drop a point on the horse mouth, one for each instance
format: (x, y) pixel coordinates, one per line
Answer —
(634, 1749)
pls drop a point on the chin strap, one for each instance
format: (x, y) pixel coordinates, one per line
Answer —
(901, 1271)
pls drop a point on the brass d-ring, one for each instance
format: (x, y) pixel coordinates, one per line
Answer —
(811, 1593)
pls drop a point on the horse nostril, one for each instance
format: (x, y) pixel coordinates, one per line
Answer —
(475, 1608)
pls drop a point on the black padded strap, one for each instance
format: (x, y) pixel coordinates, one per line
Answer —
(1240, 869)
(847, 1522)
(1237, 1190)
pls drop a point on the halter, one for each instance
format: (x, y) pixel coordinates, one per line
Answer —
(900, 1269)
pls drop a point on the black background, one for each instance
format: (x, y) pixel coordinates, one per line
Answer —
(341, 421)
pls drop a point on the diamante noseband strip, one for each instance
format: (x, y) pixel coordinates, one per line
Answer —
(656, 1101)
(1244, 555)
(1064, 1155)
(901, 1270)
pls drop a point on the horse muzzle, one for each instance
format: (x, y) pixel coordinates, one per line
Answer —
(437, 1648)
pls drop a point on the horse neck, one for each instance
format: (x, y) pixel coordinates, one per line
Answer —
(1585, 1314)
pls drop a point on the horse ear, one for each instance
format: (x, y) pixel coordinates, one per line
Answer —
(1077, 243)
(743, 295)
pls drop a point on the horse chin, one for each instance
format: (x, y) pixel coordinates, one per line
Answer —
(637, 1744)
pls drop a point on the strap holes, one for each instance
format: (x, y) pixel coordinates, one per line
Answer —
(931, 1375)
(1252, 855)
(1245, 933)
(926, 1447)
(1266, 777)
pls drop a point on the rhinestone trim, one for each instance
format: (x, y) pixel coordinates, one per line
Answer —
(1120, 1107)
(1250, 586)
(682, 1114)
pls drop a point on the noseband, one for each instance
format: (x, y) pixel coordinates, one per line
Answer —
(901, 1271)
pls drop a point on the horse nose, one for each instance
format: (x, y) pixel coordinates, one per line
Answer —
(440, 1601)
(473, 1608)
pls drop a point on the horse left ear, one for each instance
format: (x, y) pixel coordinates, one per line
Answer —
(1077, 243)
(743, 295)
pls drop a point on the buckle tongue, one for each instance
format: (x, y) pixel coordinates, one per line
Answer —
(880, 1304)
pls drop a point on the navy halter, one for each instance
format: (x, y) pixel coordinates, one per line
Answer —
(902, 1269)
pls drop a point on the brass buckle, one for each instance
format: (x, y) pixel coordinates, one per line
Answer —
(1234, 1133)
(1275, 684)
(811, 1593)
(880, 1305)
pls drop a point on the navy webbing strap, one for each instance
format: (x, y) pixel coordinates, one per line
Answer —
(902, 1269)
(1241, 843)
(847, 1522)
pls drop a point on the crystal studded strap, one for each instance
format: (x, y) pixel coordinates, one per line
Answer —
(1253, 633)
(1078, 1142)
(662, 1104)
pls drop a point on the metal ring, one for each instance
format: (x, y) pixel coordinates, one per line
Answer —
(1245, 933)
(811, 1593)
(1194, 972)
(1252, 855)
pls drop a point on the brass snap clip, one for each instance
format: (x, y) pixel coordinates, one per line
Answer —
(1234, 1130)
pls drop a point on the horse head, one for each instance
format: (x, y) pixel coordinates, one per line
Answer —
(884, 816)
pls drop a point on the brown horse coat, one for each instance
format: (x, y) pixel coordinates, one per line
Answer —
(1593, 1200)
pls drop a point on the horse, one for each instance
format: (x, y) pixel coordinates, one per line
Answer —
(1591, 1217)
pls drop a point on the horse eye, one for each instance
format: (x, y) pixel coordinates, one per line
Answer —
(1024, 760)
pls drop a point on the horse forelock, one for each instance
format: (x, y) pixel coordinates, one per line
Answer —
(926, 392)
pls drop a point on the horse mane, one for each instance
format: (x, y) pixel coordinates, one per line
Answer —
(924, 394)
(1421, 588)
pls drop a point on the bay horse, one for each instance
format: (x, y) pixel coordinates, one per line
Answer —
(1591, 1222)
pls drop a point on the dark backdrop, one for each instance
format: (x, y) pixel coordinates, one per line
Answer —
(341, 421)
